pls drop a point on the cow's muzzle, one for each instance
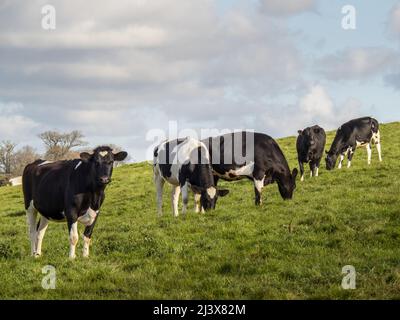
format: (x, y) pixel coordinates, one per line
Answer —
(104, 180)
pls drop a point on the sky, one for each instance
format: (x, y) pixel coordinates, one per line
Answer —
(121, 71)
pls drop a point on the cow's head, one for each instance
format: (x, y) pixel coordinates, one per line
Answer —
(330, 160)
(209, 197)
(102, 162)
(287, 184)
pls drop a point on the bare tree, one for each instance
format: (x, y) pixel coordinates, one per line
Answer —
(7, 156)
(23, 157)
(59, 145)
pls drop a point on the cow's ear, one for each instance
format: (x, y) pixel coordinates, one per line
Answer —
(85, 156)
(300, 132)
(120, 156)
(222, 192)
(294, 173)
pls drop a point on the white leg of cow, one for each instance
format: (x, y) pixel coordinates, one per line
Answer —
(86, 245)
(44, 223)
(159, 181)
(176, 191)
(197, 197)
(377, 140)
(258, 185)
(302, 178)
(73, 240)
(369, 152)
(340, 161)
(378, 148)
(316, 171)
(185, 198)
(31, 215)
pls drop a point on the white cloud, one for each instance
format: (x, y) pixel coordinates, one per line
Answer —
(317, 103)
(394, 20)
(13, 124)
(286, 7)
(358, 63)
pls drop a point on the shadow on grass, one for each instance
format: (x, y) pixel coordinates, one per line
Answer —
(16, 214)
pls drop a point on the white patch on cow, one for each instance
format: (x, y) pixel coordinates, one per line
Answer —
(362, 144)
(86, 246)
(234, 174)
(73, 240)
(44, 163)
(103, 153)
(259, 184)
(88, 218)
(212, 192)
(78, 165)
(340, 161)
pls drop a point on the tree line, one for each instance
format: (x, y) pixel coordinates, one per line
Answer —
(58, 146)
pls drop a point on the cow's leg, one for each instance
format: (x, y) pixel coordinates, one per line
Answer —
(41, 230)
(301, 166)
(159, 181)
(31, 215)
(341, 161)
(197, 204)
(258, 186)
(317, 164)
(369, 153)
(377, 140)
(350, 157)
(176, 191)
(73, 237)
(87, 237)
(312, 169)
(185, 198)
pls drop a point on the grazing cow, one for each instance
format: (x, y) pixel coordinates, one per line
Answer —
(71, 191)
(355, 133)
(253, 155)
(310, 149)
(185, 163)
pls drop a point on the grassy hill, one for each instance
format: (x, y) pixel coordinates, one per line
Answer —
(346, 217)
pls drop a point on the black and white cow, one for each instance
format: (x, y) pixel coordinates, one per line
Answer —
(253, 155)
(71, 191)
(355, 133)
(185, 163)
(310, 149)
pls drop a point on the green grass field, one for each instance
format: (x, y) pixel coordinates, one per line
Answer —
(344, 217)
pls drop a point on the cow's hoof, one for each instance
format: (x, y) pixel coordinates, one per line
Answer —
(37, 255)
